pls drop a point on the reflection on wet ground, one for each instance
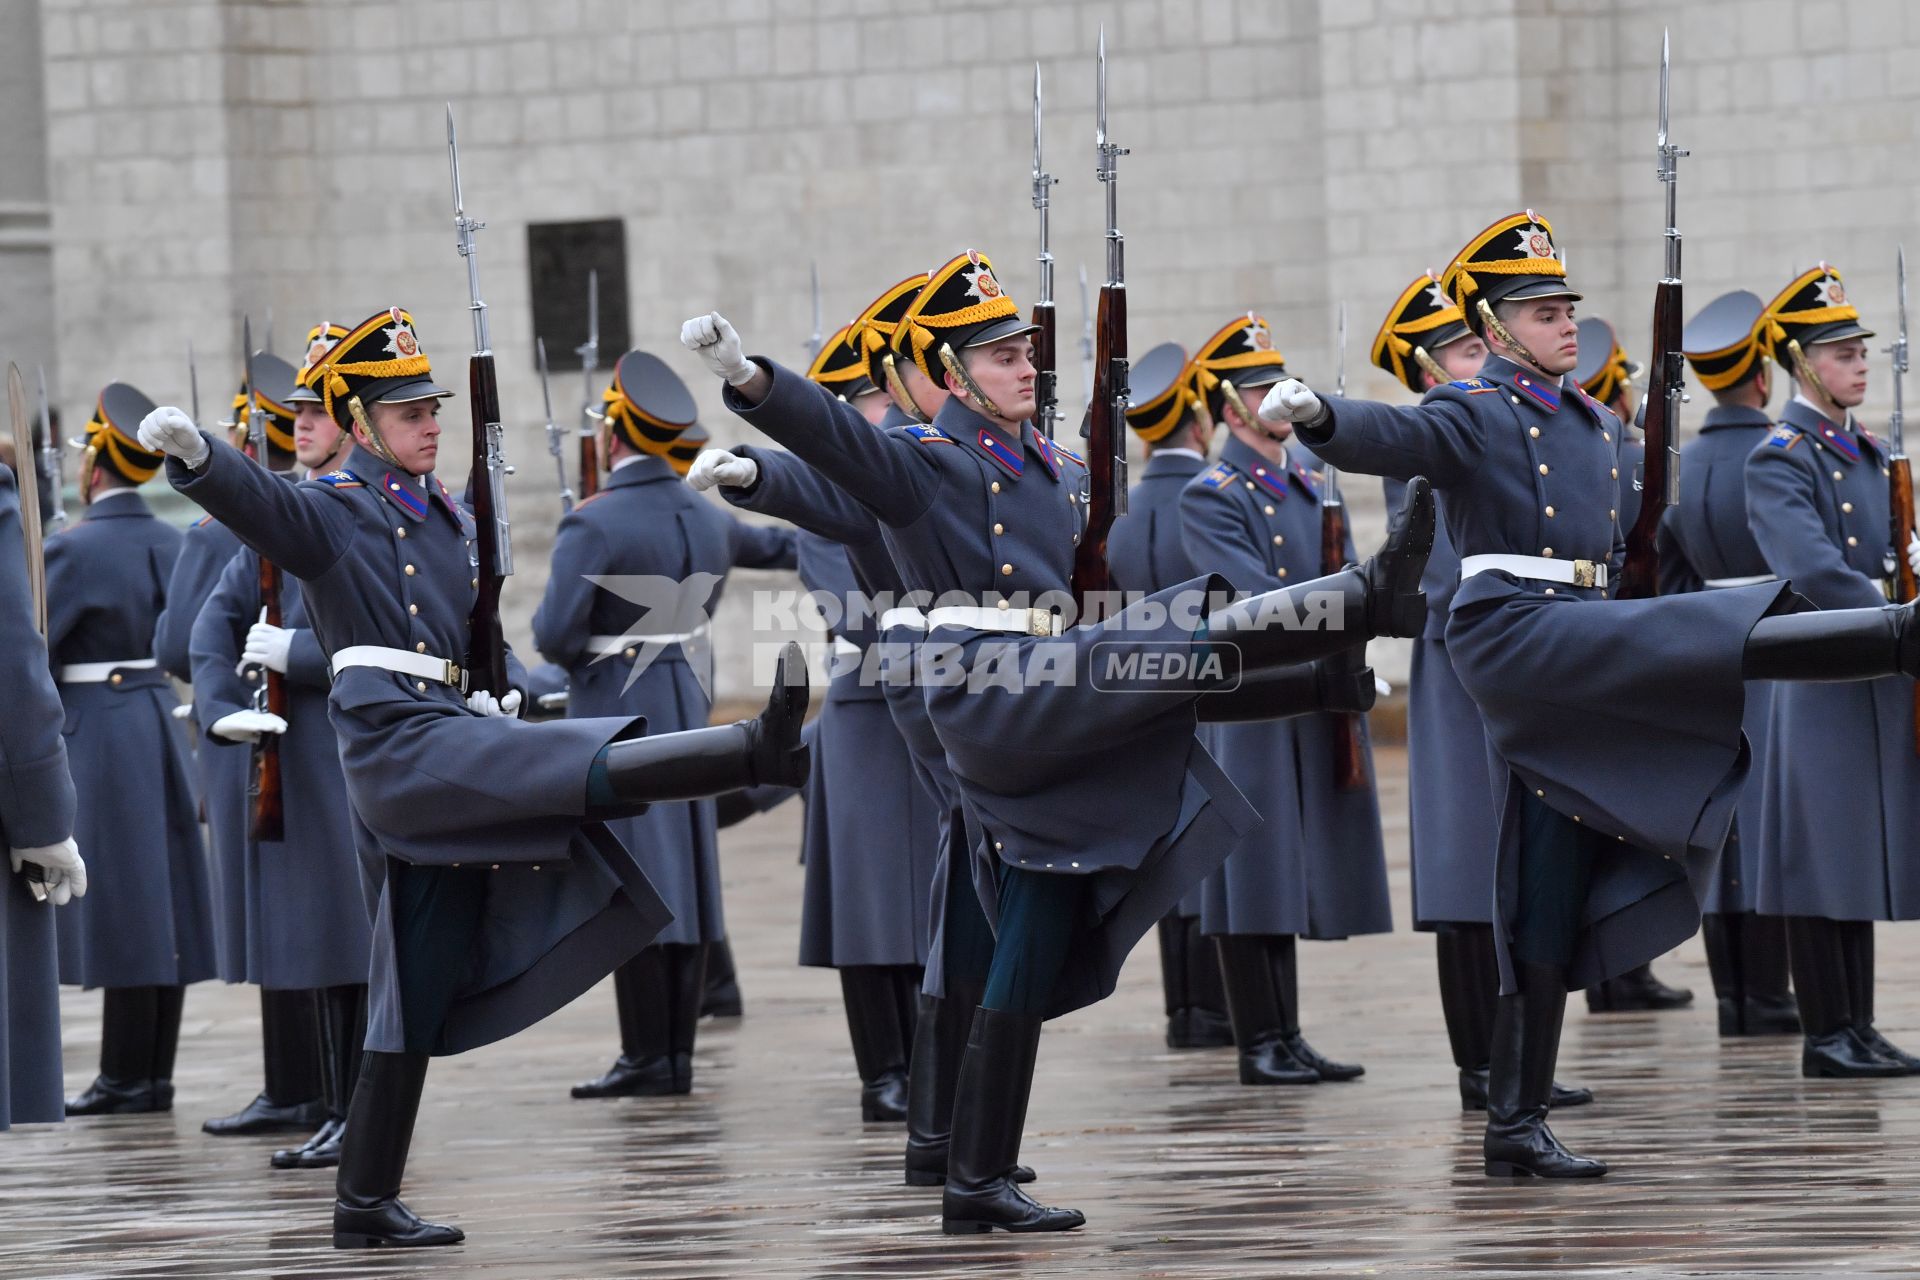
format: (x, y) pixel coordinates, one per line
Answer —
(1726, 1160)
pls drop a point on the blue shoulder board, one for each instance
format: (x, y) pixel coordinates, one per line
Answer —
(1475, 386)
(203, 520)
(1220, 474)
(342, 480)
(929, 435)
(1783, 436)
(1064, 452)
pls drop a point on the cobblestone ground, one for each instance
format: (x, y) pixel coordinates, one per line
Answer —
(1727, 1162)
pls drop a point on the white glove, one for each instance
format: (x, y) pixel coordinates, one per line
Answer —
(1290, 401)
(66, 874)
(722, 466)
(488, 705)
(267, 646)
(1913, 552)
(246, 726)
(712, 339)
(182, 712)
(1381, 687)
(170, 431)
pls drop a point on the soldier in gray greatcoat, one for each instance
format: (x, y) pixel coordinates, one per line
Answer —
(1706, 544)
(1316, 866)
(146, 933)
(504, 895)
(290, 1099)
(627, 654)
(308, 903)
(1098, 811)
(1840, 815)
(1617, 781)
(36, 828)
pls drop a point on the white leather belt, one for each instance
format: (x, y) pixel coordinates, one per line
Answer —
(1020, 622)
(843, 647)
(903, 617)
(606, 645)
(421, 666)
(1751, 580)
(1572, 573)
(97, 672)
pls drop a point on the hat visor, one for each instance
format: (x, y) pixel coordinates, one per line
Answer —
(304, 395)
(1446, 335)
(1839, 331)
(1541, 287)
(402, 390)
(999, 329)
(1258, 375)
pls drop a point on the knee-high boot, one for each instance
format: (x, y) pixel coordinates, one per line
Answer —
(1481, 957)
(686, 986)
(1253, 1009)
(933, 1073)
(1526, 1044)
(873, 1025)
(169, 1004)
(1856, 942)
(722, 997)
(1465, 1007)
(645, 1065)
(1282, 955)
(342, 1014)
(367, 1212)
(125, 1083)
(1763, 963)
(989, 1114)
(1833, 1048)
(1720, 934)
(1207, 1024)
(290, 1102)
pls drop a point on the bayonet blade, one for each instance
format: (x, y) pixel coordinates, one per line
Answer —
(1665, 48)
(1340, 363)
(29, 495)
(817, 339)
(1037, 168)
(1100, 96)
(546, 391)
(256, 421)
(50, 454)
(593, 317)
(193, 384)
(1900, 262)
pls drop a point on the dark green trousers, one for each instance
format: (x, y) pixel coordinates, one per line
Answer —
(436, 918)
(966, 940)
(1556, 866)
(1041, 915)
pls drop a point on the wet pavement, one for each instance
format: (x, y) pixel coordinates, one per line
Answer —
(1726, 1161)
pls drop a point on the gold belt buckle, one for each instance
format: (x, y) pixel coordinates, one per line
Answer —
(454, 676)
(1042, 623)
(1585, 573)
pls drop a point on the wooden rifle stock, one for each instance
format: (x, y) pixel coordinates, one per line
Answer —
(1106, 423)
(589, 465)
(1046, 382)
(1900, 492)
(1349, 758)
(1639, 578)
(269, 810)
(486, 641)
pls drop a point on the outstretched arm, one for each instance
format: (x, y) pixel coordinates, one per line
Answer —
(302, 529)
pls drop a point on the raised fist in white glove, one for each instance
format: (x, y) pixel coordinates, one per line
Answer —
(1913, 552)
(170, 431)
(723, 467)
(245, 726)
(712, 339)
(267, 646)
(63, 874)
(488, 705)
(1291, 401)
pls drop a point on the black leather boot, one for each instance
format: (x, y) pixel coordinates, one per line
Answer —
(1254, 1010)
(1171, 933)
(1720, 934)
(989, 1114)
(330, 1084)
(125, 1083)
(1856, 941)
(367, 1212)
(644, 1068)
(686, 988)
(722, 998)
(879, 1043)
(1381, 598)
(343, 1033)
(1833, 645)
(1526, 1043)
(1833, 1049)
(1207, 1024)
(1467, 1010)
(1770, 1007)
(1277, 693)
(1480, 957)
(1636, 990)
(291, 1101)
(933, 1074)
(695, 763)
(1281, 954)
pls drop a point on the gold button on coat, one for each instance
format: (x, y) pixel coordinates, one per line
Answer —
(409, 571)
(1006, 570)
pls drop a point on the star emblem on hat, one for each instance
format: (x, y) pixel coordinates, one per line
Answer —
(980, 283)
(401, 340)
(1437, 299)
(1831, 292)
(1534, 241)
(1259, 337)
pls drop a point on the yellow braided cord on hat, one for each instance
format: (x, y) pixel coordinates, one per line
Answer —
(637, 427)
(125, 456)
(334, 384)
(1606, 382)
(1179, 398)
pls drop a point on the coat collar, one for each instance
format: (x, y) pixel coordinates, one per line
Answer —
(402, 491)
(121, 504)
(1534, 388)
(1184, 465)
(645, 470)
(1723, 416)
(1843, 441)
(991, 442)
(1271, 477)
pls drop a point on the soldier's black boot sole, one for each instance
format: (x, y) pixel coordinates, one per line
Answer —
(989, 1112)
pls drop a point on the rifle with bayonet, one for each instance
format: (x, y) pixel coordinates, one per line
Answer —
(31, 538)
(555, 436)
(1086, 340)
(1900, 472)
(589, 353)
(52, 460)
(1105, 487)
(817, 339)
(486, 666)
(193, 384)
(1349, 754)
(1666, 384)
(1046, 383)
(266, 803)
